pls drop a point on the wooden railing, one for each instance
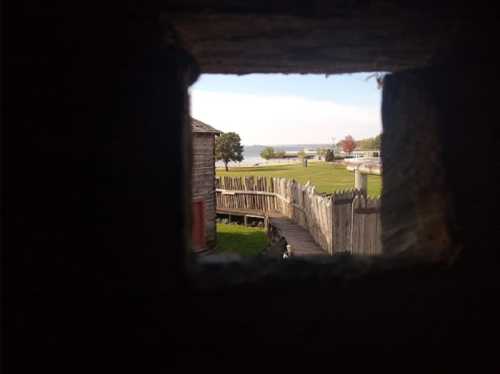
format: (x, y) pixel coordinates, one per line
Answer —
(346, 221)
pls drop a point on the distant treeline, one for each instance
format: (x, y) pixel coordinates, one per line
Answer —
(269, 153)
(326, 152)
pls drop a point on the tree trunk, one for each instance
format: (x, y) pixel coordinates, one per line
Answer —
(225, 164)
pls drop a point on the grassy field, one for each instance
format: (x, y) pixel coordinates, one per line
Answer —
(325, 176)
(246, 241)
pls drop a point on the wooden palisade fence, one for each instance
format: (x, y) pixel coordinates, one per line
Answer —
(346, 221)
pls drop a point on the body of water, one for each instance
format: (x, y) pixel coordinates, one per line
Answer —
(252, 157)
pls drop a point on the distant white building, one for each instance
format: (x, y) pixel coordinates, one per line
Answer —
(362, 154)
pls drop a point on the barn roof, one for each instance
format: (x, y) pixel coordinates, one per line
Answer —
(201, 127)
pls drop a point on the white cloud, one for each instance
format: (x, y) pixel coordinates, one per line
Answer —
(261, 119)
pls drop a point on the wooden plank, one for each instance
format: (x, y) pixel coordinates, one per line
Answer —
(375, 227)
(355, 227)
(378, 232)
(252, 187)
(243, 192)
(266, 197)
(371, 210)
(342, 201)
(347, 210)
(338, 226)
(283, 198)
(238, 197)
(301, 241)
(362, 240)
(371, 220)
(248, 212)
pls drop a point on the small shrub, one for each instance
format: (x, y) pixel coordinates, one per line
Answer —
(268, 153)
(329, 156)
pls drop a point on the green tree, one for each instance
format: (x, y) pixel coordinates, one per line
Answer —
(268, 153)
(279, 154)
(369, 143)
(363, 144)
(303, 157)
(228, 148)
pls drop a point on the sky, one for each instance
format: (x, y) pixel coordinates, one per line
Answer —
(273, 109)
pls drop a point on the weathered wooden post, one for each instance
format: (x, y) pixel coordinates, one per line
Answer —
(291, 208)
(360, 181)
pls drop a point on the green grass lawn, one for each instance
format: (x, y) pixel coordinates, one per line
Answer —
(246, 241)
(325, 176)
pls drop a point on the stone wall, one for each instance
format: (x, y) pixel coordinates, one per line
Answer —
(203, 182)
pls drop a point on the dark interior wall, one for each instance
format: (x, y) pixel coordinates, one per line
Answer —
(466, 94)
(315, 36)
(93, 241)
(469, 120)
(416, 198)
(438, 155)
(93, 191)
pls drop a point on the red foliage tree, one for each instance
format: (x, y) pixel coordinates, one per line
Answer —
(348, 144)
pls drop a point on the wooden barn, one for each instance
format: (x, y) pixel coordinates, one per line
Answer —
(203, 184)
